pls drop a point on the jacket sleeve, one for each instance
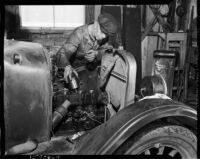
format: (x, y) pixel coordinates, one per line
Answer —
(112, 42)
(69, 48)
(116, 40)
(102, 49)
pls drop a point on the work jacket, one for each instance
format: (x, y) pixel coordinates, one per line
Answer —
(77, 45)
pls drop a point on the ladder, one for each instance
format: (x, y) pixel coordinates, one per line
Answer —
(177, 42)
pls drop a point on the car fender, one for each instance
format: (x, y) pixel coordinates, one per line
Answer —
(106, 138)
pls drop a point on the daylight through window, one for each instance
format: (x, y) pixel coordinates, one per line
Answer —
(69, 16)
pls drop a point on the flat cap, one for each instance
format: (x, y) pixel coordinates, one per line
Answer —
(108, 24)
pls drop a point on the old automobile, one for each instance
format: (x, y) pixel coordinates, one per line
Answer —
(94, 113)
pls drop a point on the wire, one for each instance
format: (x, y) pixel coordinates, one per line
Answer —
(109, 98)
(141, 91)
(92, 118)
(105, 113)
(59, 91)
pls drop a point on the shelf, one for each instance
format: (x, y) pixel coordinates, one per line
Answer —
(175, 88)
(174, 45)
(178, 69)
(194, 44)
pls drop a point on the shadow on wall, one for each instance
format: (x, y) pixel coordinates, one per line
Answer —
(49, 40)
(12, 24)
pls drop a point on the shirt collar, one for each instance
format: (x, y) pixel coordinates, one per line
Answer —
(91, 37)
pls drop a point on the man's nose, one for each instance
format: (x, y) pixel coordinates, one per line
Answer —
(103, 36)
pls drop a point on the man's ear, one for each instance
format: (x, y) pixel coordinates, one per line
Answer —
(96, 24)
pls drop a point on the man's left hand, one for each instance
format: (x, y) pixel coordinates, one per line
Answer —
(90, 55)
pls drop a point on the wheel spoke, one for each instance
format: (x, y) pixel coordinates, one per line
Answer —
(161, 150)
(157, 145)
(173, 153)
(147, 152)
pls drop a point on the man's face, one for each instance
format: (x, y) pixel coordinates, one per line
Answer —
(99, 34)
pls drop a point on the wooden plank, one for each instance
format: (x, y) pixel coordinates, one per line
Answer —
(149, 45)
(133, 39)
(89, 14)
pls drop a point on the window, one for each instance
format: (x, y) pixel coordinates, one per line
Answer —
(67, 16)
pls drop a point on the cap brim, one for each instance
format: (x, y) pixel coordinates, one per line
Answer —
(106, 32)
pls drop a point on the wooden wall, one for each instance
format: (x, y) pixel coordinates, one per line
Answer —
(52, 40)
(150, 43)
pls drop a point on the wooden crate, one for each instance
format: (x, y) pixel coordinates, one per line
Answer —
(174, 39)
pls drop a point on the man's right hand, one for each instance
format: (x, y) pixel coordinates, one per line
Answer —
(90, 55)
(68, 73)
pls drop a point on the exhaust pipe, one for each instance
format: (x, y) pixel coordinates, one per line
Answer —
(59, 113)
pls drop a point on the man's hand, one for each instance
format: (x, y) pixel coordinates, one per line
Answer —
(90, 55)
(68, 73)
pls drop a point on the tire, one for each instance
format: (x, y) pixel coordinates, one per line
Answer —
(169, 140)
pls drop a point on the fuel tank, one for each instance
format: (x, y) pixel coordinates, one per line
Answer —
(27, 93)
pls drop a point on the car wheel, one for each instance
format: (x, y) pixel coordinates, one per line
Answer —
(169, 140)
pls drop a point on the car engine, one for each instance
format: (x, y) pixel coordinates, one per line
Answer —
(87, 109)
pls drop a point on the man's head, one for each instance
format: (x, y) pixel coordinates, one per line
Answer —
(106, 25)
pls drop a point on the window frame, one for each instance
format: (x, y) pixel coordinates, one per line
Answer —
(44, 30)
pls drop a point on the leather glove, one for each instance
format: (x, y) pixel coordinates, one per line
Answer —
(68, 73)
(90, 55)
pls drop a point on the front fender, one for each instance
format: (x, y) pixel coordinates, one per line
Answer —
(106, 138)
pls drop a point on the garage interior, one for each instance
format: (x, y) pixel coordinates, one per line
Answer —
(149, 32)
(174, 31)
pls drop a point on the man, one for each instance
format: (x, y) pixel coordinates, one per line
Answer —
(85, 43)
